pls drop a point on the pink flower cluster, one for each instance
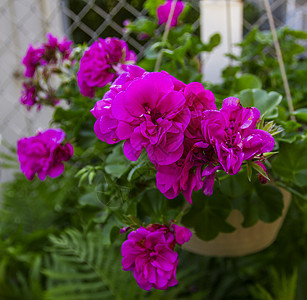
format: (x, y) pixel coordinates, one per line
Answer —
(164, 10)
(43, 56)
(149, 253)
(100, 64)
(185, 136)
(45, 53)
(43, 154)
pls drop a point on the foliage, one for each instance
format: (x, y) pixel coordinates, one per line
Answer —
(180, 52)
(258, 57)
(81, 266)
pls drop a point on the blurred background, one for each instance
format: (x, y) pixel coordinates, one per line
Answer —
(27, 21)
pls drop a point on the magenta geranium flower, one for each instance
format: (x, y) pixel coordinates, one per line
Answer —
(149, 253)
(231, 131)
(28, 95)
(106, 125)
(198, 100)
(101, 63)
(118, 51)
(95, 69)
(164, 10)
(182, 234)
(43, 154)
(53, 44)
(187, 174)
(32, 59)
(45, 53)
(152, 115)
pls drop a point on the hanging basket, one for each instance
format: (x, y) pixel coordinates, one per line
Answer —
(242, 241)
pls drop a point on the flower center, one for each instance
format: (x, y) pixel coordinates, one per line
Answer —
(153, 113)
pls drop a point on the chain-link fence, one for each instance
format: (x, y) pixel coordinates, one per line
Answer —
(25, 21)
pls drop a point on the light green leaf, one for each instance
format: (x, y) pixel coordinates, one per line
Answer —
(247, 81)
(152, 5)
(266, 102)
(143, 25)
(301, 114)
(116, 163)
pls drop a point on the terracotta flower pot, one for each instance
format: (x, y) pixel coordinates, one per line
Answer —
(242, 241)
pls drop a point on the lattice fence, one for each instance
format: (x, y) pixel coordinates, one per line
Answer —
(27, 21)
(87, 21)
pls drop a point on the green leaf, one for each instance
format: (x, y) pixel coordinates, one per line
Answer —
(258, 169)
(116, 163)
(143, 25)
(208, 215)
(90, 199)
(9, 157)
(247, 81)
(301, 114)
(153, 202)
(266, 102)
(291, 162)
(264, 202)
(249, 172)
(235, 186)
(152, 5)
(214, 41)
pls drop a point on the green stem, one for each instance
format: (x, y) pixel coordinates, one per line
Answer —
(165, 34)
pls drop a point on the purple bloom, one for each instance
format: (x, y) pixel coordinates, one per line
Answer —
(124, 230)
(118, 51)
(64, 46)
(28, 95)
(106, 125)
(142, 36)
(126, 23)
(186, 175)
(182, 234)
(43, 154)
(164, 10)
(32, 59)
(152, 115)
(149, 253)
(52, 41)
(198, 100)
(231, 131)
(101, 62)
(95, 70)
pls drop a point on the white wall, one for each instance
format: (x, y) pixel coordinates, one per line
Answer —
(226, 18)
(22, 22)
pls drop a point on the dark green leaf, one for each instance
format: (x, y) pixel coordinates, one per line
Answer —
(291, 162)
(264, 202)
(208, 215)
(235, 186)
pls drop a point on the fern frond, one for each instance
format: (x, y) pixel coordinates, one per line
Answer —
(82, 267)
